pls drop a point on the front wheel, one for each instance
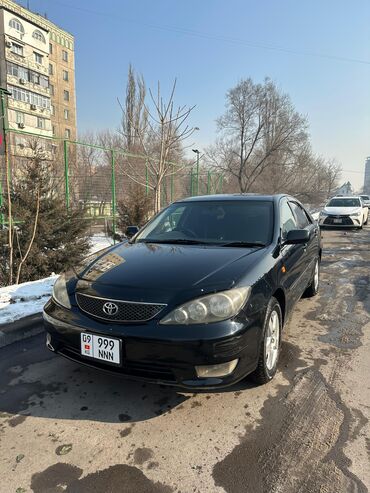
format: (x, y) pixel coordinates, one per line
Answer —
(270, 344)
(313, 287)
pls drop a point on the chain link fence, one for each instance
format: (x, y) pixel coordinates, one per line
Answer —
(97, 178)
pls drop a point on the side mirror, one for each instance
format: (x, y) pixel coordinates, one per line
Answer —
(131, 231)
(297, 236)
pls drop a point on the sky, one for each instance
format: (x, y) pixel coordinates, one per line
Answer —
(316, 51)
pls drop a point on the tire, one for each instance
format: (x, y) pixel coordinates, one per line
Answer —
(313, 287)
(269, 348)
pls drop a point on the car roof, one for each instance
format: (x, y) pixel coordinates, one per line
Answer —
(346, 197)
(233, 196)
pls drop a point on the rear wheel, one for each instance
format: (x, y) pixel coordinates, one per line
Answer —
(314, 285)
(270, 344)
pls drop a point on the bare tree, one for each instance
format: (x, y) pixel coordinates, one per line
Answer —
(259, 126)
(135, 116)
(162, 138)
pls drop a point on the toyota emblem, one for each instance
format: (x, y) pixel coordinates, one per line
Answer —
(110, 308)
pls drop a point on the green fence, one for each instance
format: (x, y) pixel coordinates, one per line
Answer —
(97, 178)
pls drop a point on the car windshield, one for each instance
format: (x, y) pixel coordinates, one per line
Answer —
(365, 197)
(344, 202)
(226, 223)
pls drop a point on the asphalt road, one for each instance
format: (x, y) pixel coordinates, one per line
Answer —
(64, 428)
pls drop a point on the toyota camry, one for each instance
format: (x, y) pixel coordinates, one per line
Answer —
(197, 298)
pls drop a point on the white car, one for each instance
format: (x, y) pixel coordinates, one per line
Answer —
(349, 212)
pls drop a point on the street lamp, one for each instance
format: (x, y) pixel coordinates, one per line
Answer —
(197, 152)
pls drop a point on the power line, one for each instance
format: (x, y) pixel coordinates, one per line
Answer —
(218, 37)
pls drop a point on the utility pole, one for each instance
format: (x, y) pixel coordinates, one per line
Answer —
(4, 151)
(197, 153)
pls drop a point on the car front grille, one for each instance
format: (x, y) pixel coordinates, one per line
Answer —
(345, 220)
(139, 369)
(124, 311)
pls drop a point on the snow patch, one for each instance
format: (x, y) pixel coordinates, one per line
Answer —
(28, 298)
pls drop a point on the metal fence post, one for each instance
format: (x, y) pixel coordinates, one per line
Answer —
(191, 183)
(66, 173)
(172, 183)
(208, 182)
(114, 204)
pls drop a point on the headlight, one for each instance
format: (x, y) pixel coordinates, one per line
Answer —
(323, 214)
(356, 214)
(60, 292)
(211, 308)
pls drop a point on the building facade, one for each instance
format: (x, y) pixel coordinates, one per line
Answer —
(367, 176)
(37, 67)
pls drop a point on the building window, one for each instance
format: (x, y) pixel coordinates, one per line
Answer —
(50, 48)
(53, 129)
(40, 122)
(65, 75)
(17, 49)
(29, 97)
(51, 89)
(15, 24)
(51, 69)
(67, 133)
(38, 57)
(65, 56)
(66, 95)
(19, 117)
(66, 114)
(39, 36)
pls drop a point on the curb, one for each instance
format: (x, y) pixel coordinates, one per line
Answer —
(21, 329)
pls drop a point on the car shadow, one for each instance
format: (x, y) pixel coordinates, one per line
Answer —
(35, 382)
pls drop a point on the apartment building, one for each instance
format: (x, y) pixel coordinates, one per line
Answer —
(37, 67)
(367, 176)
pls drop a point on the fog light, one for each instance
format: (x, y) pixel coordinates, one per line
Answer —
(220, 370)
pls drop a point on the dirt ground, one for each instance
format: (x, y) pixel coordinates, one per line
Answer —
(65, 428)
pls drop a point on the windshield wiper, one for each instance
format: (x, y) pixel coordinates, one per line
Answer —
(244, 244)
(178, 241)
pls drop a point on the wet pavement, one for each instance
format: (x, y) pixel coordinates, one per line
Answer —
(65, 428)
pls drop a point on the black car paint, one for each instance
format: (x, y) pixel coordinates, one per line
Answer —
(174, 274)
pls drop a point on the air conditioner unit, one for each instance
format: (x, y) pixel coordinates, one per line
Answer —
(8, 44)
(22, 81)
(20, 125)
(33, 107)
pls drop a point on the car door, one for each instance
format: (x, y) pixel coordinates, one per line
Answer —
(312, 247)
(292, 257)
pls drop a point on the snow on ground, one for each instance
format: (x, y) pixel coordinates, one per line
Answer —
(98, 242)
(25, 299)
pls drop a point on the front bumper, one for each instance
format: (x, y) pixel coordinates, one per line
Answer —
(161, 354)
(343, 221)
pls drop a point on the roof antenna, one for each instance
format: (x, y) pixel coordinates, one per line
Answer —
(28, 4)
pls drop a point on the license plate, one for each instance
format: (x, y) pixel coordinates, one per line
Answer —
(338, 221)
(101, 347)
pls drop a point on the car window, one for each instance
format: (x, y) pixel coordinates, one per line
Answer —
(300, 214)
(287, 219)
(344, 202)
(213, 222)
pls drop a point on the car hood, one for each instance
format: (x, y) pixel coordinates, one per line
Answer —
(155, 272)
(342, 211)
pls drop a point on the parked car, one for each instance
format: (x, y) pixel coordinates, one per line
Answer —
(197, 298)
(366, 200)
(348, 212)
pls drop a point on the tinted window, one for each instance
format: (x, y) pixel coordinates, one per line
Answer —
(288, 221)
(341, 202)
(302, 221)
(213, 222)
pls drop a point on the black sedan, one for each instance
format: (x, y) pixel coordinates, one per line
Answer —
(197, 298)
